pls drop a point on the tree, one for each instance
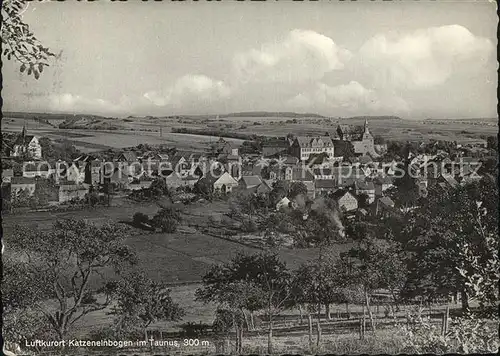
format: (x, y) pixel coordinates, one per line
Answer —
(19, 43)
(60, 264)
(140, 218)
(296, 189)
(167, 219)
(444, 232)
(279, 191)
(318, 282)
(142, 301)
(159, 188)
(204, 188)
(268, 276)
(377, 263)
(378, 140)
(406, 192)
(492, 142)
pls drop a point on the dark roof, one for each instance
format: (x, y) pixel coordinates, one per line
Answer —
(310, 141)
(251, 181)
(383, 180)
(129, 156)
(22, 180)
(361, 185)
(23, 140)
(325, 184)
(302, 174)
(386, 201)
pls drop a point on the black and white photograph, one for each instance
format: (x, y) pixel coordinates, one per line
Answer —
(235, 177)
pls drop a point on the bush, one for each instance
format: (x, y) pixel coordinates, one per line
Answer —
(249, 225)
(140, 219)
(167, 219)
(465, 335)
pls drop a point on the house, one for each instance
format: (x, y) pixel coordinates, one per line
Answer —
(275, 148)
(190, 180)
(138, 185)
(304, 146)
(298, 174)
(290, 161)
(323, 173)
(325, 186)
(7, 175)
(385, 207)
(174, 180)
(223, 147)
(17, 184)
(127, 156)
(93, 173)
(249, 182)
(69, 192)
(363, 187)
(347, 201)
(26, 145)
(262, 188)
(382, 183)
(223, 183)
(284, 203)
(116, 173)
(446, 181)
(360, 137)
(36, 169)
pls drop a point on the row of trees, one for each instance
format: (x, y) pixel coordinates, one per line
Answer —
(83, 268)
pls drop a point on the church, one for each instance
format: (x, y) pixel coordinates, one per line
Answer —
(26, 146)
(360, 137)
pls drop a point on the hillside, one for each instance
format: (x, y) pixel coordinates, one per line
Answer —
(89, 122)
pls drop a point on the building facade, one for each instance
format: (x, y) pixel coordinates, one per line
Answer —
(304, 146)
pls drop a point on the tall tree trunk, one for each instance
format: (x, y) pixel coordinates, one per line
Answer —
(309, 319)
(327, 311)
(301, 317)
(252, 321)
(465, 301)
(237, 334)
(270, 338)
(246, 318)
(240, 340)
(318, 341)
(370, 314)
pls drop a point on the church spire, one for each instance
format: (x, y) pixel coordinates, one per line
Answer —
(23, 133)
(366, 125)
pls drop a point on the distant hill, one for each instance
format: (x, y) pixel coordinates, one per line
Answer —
(372, 118)
(49, 116)
(271, 114)
(89, 122)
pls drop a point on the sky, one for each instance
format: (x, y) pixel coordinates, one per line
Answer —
(413, 59)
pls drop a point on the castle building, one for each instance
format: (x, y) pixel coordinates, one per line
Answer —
(360, 137)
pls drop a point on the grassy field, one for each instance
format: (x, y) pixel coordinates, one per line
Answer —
(131, 132)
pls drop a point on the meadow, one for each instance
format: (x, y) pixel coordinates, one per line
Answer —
(128, 132)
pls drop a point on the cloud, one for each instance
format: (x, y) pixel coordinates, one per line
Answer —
(424, 58)
(190, 89)
(348, 98)
(68, 102)
(302, 56)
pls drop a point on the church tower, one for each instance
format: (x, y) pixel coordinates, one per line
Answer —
(366, 132)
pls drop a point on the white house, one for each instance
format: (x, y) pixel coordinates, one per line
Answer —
(283, 203)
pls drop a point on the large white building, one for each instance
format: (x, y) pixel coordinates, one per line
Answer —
(305, 146)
